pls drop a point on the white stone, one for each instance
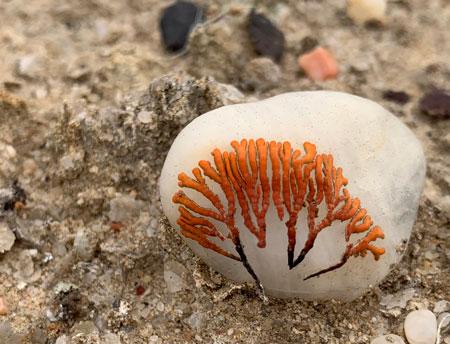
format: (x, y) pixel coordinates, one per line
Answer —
(195, 320)
(388, 339)
(111, 338)
(145, 116)
(29, 66)
(173, 276)
(83, 247)
(441, 306)
(362, 11)
(62, 339)
(379, 155)
(7, 238)
(154, 339)
(421, 327)
(399, 299)
(124, 208)
(443, 322)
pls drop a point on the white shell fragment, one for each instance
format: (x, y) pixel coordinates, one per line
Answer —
(380, 157)
(421, 327)
(362, 11)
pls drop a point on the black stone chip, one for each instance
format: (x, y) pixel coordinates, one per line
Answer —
(267, 39)
(177, 21)
(399, 97)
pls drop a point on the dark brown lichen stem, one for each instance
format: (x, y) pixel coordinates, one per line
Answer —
(358, 249)
(299, 259)
(331, 268)
(240, 250)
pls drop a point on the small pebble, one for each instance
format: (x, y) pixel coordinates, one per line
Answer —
(363, 11)
(62, 340)
(7, 238)
(140, 290)
(319, 64)
(399, 97)
(124, 208)
(160, 306)
(174, 276)
(266, 38)
(177, 22)
(7, 334)
(441, 306)
(145, 116)
(421, 327)
(196, 320)
(111, 338)
(443, 324)
(397, 300)
(262, 74)
(154, 339)
(3, 307)
(29, 166)
(83, 247)
(28, 67)
(38, 336)
(436, 103)
(388, 339)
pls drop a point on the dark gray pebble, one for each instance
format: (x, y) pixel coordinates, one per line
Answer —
(436, 103)
(176, 23)
(399, 97)
(267, 39)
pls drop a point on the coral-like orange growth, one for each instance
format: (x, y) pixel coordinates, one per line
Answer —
(298, 180)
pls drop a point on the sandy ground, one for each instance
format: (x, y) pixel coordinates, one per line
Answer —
(92, 262)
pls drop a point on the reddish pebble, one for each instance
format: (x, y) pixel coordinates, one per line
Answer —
(116, 226)
(140, 290)
(436, 103)
(319, 64)
(3, 307)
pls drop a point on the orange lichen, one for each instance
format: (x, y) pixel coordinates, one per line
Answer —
(298, 180)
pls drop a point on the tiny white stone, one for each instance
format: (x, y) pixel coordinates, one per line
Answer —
(124, 208)
(173, 276)
(7, 238)
(62, 339)
(388, 339)
(144, 116)
(362, 11)
(399, 299)
(421, 327)
(28, 66)
(66, 162)
(381, 158)
(195, 320)
(10, 152)
(441, 306)
(160, 306)
(111, 338)
(154, 339)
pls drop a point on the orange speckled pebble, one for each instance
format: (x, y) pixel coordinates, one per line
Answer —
(319, 64)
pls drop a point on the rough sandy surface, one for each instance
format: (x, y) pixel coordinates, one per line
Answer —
(84, 135)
